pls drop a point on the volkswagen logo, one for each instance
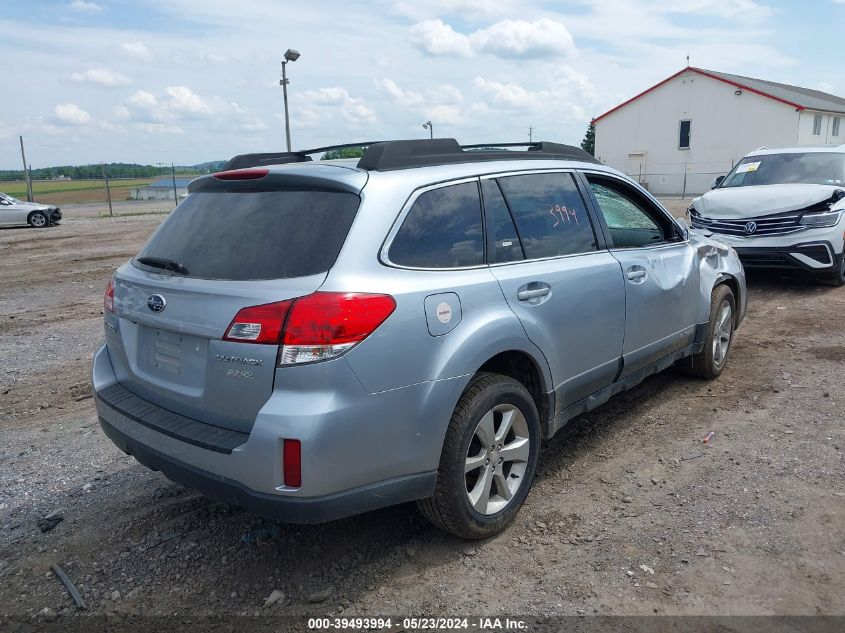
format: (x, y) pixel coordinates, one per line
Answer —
(750, 227)
(156, 303)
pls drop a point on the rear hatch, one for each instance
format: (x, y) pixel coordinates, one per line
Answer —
(229, 245)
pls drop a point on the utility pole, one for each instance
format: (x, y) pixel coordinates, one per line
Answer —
(428, 125)
(173, 176)
(26, 174)
(530, 134)
(108, 191)
(290, 56)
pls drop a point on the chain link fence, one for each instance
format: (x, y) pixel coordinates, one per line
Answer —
(682, 180)
(115, 191)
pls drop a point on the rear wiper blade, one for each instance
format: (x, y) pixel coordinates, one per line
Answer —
(162, 262)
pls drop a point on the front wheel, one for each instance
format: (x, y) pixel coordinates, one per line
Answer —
(711, 360)
(38, 219)
(837, 276)
(489, 459)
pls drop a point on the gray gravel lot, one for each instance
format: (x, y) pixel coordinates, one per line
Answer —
(631, 512)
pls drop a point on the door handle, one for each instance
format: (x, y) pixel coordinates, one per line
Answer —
(533, 290)
(636, 272)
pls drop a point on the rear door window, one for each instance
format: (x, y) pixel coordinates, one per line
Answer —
(252, 235)
(550, 214)
(443, 229)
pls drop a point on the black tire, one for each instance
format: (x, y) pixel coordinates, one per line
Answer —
(705, 364)
(836, 277)
(450, 508)
(38, 220)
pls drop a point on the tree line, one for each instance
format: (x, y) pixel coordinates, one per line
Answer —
(92, 172)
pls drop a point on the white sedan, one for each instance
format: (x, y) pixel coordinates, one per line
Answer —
(14, 212)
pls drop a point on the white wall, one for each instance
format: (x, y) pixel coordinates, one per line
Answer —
(724, 128)
(805, 129)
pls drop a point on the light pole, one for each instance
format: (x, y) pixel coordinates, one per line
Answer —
(430, 127)
(290, 56)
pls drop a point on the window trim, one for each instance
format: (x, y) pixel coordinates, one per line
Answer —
(598, 233)
(836, 126)
(817, 118)
(384, 257)
(655, 205)
(489, 221)
(689, 135)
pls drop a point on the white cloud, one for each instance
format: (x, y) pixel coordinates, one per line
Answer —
(444, 115)
(180, 103)
(467, 9)
(506, 38)
(565, 95)
(519, 38)
(327, 103)
(437, 38)
(138, 50)
(88, 7)
(728, 8)
(440, 104)
(402, 97)
(159, 128)
(508, 95)
(823, 85)
(71, 114)
(102, 77)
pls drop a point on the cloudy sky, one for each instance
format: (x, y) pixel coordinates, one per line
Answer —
(194, 80)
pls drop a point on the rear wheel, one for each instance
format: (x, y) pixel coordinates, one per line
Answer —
(489, 459)
(837, 276)
(38, 219)
(711, 360)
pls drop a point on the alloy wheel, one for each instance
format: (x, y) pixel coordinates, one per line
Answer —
(722, 333)
(497, 459)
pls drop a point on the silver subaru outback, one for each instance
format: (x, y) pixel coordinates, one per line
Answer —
(316, 339)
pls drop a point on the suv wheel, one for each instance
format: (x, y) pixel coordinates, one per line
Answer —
(837, 276)
(38, 219)
(488, 461)
(711, 360)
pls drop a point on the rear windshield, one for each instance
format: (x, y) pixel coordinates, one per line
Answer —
(817, 168)
(252, 235)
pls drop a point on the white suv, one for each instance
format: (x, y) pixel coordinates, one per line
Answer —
(781, 208)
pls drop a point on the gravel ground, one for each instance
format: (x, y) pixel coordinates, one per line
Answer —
(630, 514)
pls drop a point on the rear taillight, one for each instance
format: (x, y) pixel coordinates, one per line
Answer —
(292, 463)
(259, 324)
(326, 324)
(317, 327)
(108, 296)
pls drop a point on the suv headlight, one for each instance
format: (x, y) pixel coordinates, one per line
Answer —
(821, 220)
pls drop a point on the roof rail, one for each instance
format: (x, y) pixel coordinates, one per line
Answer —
(280, 158)
(390, 155)
(272, 158)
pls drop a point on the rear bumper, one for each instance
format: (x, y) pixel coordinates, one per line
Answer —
(360, 451)
(276, 507)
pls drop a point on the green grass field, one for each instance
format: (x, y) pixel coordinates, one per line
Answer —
(74, 191)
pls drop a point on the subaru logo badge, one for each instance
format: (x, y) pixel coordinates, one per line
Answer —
(750, 228)
(156, 303)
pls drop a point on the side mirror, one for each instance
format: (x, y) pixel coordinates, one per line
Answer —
(716, 182)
